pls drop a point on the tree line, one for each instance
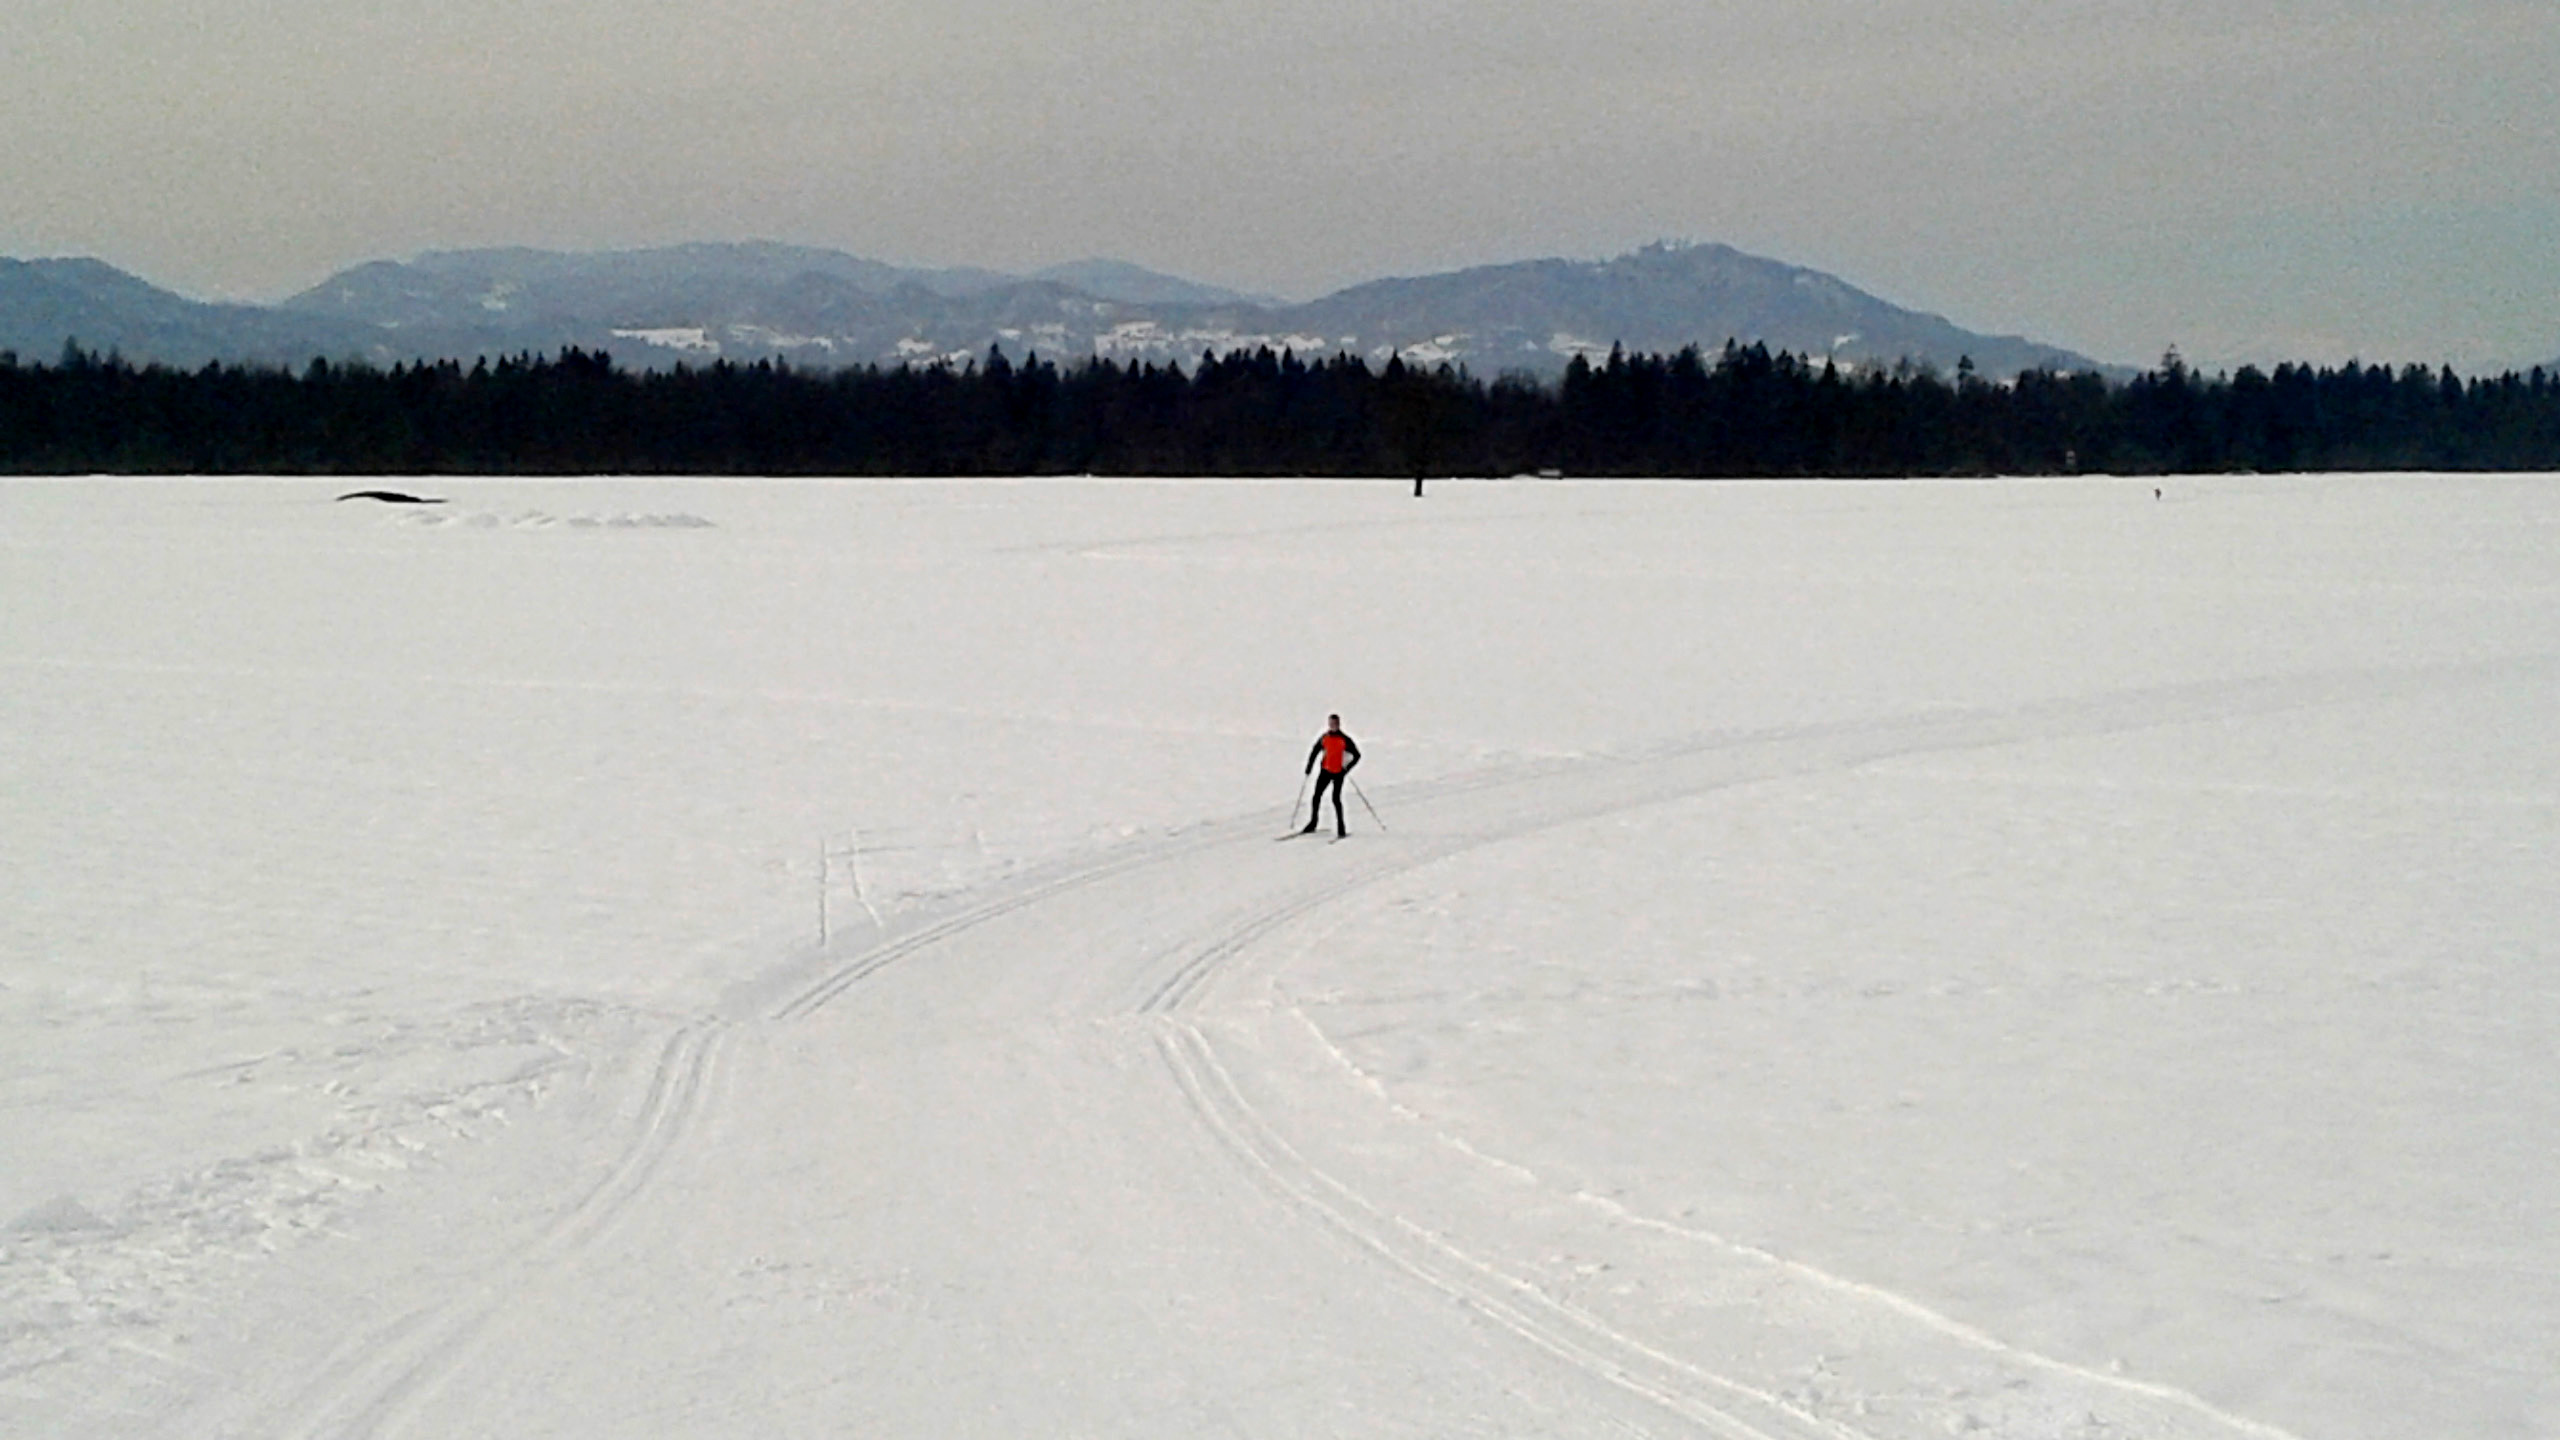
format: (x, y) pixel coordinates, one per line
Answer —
(1743, 411)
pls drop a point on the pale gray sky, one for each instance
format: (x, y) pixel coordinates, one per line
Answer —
(2245, 179)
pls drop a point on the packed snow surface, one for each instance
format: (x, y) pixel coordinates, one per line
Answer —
(1837, 959)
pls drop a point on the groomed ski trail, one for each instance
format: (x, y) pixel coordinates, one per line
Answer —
(1143, 936)
(365, 1389)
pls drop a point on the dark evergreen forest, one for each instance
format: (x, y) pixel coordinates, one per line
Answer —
(1741, 412)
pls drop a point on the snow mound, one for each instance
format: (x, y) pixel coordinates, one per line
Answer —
(61, 1215)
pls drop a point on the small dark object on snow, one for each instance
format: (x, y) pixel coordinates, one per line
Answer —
(393, 497)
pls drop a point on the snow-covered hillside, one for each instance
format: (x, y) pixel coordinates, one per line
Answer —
(1840, 959)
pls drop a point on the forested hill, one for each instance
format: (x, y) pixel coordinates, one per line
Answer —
(1743, 412)
(693, 304)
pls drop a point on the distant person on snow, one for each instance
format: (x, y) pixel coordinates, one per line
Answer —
(1338, 753)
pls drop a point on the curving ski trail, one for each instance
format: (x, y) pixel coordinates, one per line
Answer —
(374, 1381)
(400, 1378)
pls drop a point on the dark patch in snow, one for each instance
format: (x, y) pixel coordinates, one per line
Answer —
(393, 497)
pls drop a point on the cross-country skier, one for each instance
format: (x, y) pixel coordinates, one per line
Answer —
(1338, 752)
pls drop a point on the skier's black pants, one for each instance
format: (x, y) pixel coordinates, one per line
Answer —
(1329, 779)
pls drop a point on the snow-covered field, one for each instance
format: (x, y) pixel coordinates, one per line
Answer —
(1845, 960)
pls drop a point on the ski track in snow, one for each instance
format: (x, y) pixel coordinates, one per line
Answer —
(1723, 1405)
(381, 1381)
(181, 1229)
(366, 1388)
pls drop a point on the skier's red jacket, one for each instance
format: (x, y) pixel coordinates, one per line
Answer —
(1339, 752)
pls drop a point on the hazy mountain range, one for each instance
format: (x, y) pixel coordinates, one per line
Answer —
(695, 303)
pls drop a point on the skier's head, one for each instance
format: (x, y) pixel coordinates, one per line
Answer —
(1333, 722)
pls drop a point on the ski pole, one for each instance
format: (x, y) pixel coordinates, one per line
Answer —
(1364, 801)
(1301, 800)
